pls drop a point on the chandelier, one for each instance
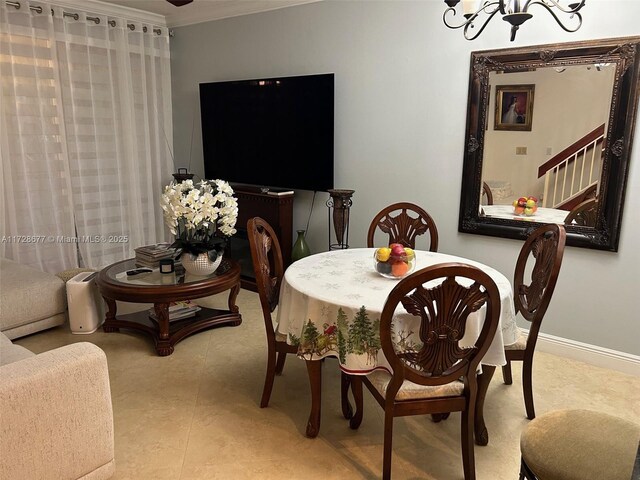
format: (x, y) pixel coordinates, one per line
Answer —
(516, 12)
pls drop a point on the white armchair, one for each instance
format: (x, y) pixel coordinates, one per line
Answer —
(56, 418)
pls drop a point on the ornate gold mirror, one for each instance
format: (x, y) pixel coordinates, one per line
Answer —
(548, 139)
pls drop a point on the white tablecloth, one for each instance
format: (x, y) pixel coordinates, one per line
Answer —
(330, 305)
(542, 215)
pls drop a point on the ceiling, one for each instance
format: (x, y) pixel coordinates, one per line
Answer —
(205, 10)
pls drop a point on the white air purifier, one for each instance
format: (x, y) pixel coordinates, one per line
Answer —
(86, 306)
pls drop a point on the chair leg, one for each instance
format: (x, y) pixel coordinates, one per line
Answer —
(437, 417)
(356, 389)
(506, 373)
(345, 382)
(467, 432)
(270, 376)
(525, 471)
(484, 380)
(282, 356)
(388, 438)
(527, 388)
(314, 370)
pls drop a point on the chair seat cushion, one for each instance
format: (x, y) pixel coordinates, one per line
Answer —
(412, 391)
(580, 444)
(521, 342)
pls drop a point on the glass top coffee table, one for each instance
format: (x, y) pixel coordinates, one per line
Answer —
(162, 289)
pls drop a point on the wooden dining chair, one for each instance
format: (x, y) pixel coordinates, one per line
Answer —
(269, 270)
(583, 214)
(403, 227)
(544, 249)
(580, 444)
(436, 375)
(486, 192)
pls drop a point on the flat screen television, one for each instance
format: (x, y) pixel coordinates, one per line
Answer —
(271, 132)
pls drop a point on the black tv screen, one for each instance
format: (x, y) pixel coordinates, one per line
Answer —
(272, 132)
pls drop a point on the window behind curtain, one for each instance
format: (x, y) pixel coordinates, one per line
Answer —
(101, 159)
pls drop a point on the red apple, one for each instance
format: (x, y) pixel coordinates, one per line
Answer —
(397, 250)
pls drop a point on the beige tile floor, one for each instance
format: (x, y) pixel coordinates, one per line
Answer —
(195, 414)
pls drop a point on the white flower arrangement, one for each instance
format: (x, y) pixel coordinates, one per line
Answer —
(201, 217)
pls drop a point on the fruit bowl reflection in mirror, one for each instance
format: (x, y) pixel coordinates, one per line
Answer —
(394, 261)
(526, 206)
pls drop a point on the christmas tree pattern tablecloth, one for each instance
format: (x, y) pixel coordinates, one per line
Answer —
(330, 305)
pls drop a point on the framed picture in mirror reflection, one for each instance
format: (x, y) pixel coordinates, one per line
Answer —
(514, 107)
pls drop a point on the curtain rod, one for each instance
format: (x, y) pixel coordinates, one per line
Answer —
(75, 16)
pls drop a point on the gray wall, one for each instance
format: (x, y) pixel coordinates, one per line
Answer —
(401, 94)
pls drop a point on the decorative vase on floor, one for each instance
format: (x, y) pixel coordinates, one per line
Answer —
(200, 264)
(300, 248)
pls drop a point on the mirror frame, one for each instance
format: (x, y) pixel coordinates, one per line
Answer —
(625, 53)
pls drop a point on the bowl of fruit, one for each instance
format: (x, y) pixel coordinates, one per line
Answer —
(394, 261)
(526, 206)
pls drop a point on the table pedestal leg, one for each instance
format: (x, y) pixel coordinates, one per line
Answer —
(345, 383)
(233, 308)
(163, 344)
(314, 369)
(480, 430)
(110, 316)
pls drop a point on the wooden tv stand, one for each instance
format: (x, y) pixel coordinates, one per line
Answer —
(274, 206)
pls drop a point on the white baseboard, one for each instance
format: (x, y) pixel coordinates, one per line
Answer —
(591, 354)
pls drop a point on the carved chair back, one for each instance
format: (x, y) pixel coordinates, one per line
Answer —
(442, 296)
(403, 228)
(267, 265)
(583, 214)
(486, 192)
(544, 248)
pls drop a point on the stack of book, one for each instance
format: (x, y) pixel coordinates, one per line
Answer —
(150, 255)
(178, 310)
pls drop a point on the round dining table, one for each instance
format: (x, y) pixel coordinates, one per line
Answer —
(331, 300)
(542, 215)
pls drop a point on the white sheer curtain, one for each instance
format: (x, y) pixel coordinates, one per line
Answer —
(86, 118)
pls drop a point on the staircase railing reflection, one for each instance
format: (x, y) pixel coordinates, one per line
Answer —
(574, 170)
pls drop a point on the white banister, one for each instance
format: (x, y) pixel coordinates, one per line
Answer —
(559, 186)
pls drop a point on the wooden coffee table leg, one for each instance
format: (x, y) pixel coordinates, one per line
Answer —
(480, 429)
(314, 369)
(233, 295)
(163, 343)
(110, 316)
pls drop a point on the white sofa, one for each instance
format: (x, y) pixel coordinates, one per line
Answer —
(56, 417)
(30, 300)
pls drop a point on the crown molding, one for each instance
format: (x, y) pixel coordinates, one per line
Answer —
(111, 9)
(221, 10)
